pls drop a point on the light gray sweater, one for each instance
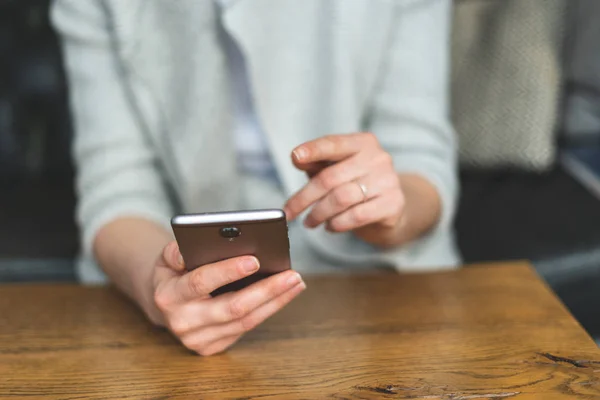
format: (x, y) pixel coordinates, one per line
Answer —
(152, 113)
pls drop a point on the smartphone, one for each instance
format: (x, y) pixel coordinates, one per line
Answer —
(210, 237)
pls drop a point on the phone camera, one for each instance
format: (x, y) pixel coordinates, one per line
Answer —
(230, 232)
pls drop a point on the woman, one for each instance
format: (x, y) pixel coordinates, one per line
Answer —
(196, 105)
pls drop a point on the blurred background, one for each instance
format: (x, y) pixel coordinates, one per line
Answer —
(526, 105)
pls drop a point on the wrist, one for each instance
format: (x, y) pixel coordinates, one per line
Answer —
(422, 209)
(145, 288)
(420, 214)
(128, 250)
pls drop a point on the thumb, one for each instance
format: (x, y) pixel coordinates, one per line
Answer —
(172, 257)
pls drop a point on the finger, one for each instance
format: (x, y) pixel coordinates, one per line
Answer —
(219, 346)
(239, 304)
(172, 257)
(193, 315)
(205, 343)
(209, 337)
(332, 148)
(350, 194)
(202, 281)
(168, 265)
(313, 169)
(323, 182)
(383, 208)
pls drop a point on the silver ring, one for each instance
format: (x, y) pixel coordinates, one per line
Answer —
(363, 189)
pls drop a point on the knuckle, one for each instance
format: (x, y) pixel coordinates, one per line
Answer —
(343, 197)
(235, 272)
(179, 326)
(162, 299)
(247, 324)
(385, 159)
(370, 138)
(191, 343)
(326, 179)
(197, 284)
(313, 149)
(359, 215)
(237, 309)
(330, 144)
(330, 140)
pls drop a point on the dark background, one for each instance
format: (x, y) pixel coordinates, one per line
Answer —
(549, 218)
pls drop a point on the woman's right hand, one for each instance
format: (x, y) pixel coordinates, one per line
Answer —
(209, 325)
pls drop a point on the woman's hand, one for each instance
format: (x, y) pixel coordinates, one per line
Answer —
(353, 186)
(209, 325)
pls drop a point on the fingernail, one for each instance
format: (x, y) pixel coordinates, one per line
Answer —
(250, 264)
(294, 280)
(301, 285)
(180, 259)
(299, 153)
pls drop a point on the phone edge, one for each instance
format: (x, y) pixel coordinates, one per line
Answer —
(227, 217)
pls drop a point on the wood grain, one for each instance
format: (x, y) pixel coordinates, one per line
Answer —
(493, 332)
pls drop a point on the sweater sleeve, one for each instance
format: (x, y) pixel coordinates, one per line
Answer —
(410, 109)
(116, 166)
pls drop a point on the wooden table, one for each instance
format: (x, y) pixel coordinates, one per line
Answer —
(492, 332)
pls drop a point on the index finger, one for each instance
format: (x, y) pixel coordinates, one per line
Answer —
(330, 148)
(204, 280)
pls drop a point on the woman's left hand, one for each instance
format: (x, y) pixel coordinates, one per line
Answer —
(353, 186)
